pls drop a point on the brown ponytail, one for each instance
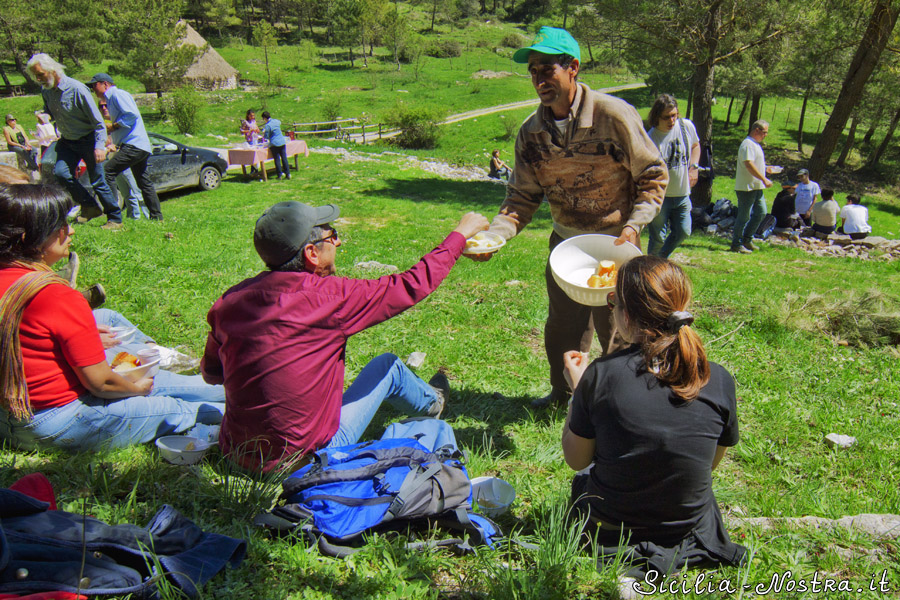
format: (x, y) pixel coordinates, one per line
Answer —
(654, 294)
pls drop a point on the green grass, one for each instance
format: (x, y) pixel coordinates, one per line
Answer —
(794, 387)
(484, 326)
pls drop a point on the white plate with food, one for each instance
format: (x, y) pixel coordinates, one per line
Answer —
(130, 367)
(484, 242)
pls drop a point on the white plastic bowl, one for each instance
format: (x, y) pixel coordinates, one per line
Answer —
(576, 259)
(492, 495)
(135, 373)
(172, 449)
(496, 240)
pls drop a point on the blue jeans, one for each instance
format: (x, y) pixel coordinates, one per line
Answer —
(68, 153)
(751, 211)
(385, 378)
(674, 216)
(176, 403)
(131, 195)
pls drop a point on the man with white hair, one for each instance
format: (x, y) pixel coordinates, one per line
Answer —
(82, 137)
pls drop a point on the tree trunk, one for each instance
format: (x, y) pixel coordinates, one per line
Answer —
(876, 156)
(728, 115)
(703, 83)
(848, 145)
(740, 118)
(867, 139)
(590, 53)
(754, 107)
(806, 95)
(690, 103)
(434, 4)
(868, 53)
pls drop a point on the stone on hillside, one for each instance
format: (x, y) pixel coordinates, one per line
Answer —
(837, 440)
(374, 265)
(712, 228)
(514, 282)
(415, 360)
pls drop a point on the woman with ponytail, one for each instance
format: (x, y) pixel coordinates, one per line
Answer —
(652, 421)
(56, 388)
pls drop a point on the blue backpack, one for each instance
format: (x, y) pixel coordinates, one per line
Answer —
(393, 484)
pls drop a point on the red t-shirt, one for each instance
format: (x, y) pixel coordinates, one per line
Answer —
(58, 330)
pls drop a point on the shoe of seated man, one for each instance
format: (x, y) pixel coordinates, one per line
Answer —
(556, 397)
(441, 386)
(740, 249)
(70, 271)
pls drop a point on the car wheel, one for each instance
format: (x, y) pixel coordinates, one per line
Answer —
(210, 178)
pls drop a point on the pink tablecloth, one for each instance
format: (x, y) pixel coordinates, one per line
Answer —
(258, 156)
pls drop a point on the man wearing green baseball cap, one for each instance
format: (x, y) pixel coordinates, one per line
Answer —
(587, 153)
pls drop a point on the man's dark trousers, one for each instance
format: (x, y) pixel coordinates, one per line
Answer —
(135, 158)
(68, 153)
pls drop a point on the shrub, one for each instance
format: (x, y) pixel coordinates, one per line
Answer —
(445, 49)
(331, 108)
(419, 126)
(184, 107)
(514, 40)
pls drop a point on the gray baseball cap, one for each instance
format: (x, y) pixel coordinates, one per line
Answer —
(283, 229)
(98, 78)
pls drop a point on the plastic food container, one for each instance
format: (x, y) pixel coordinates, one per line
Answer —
(182, 449)
(576, 259)
(492, 495)
(484, 242)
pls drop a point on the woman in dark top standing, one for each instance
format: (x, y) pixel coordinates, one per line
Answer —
(654, 419)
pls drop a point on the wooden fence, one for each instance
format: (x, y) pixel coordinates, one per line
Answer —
(342, 129)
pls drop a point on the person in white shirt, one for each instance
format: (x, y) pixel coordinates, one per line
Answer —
(825, 213)
(806, 194)
(749, 183)
(855, 219)
(679, 146)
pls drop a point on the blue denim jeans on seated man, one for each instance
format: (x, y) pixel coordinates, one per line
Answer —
(68, 153)
(673, 222)
(176, 403)
(385, 378)
(751, 212)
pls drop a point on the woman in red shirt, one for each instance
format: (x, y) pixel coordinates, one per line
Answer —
(56, 388)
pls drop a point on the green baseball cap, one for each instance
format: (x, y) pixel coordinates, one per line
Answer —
(550, 40)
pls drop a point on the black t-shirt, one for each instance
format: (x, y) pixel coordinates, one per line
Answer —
(653, 452)
(783, 208)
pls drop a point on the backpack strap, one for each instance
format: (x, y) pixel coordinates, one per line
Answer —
(413, 481)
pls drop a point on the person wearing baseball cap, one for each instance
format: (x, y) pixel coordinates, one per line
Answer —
(587, 153)
(807, 192)
(278, 340)
(126, 128)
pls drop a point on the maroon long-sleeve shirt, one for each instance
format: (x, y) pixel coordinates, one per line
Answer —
(277, 343)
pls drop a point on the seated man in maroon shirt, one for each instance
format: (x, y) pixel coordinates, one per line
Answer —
(278, 340)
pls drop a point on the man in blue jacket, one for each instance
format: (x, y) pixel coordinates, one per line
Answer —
(129, 134)
(277, 144)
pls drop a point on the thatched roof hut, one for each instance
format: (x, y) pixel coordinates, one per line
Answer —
(210, 71)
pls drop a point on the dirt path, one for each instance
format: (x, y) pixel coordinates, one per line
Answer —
(472, 114)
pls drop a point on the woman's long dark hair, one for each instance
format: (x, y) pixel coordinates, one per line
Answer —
(650, 290)
(29, 215)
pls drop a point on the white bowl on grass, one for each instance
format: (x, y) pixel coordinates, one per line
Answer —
(576, 259)
(174, 449)
(492, 495)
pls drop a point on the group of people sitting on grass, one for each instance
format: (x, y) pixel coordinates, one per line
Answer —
(795, 207)
(651, 420)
